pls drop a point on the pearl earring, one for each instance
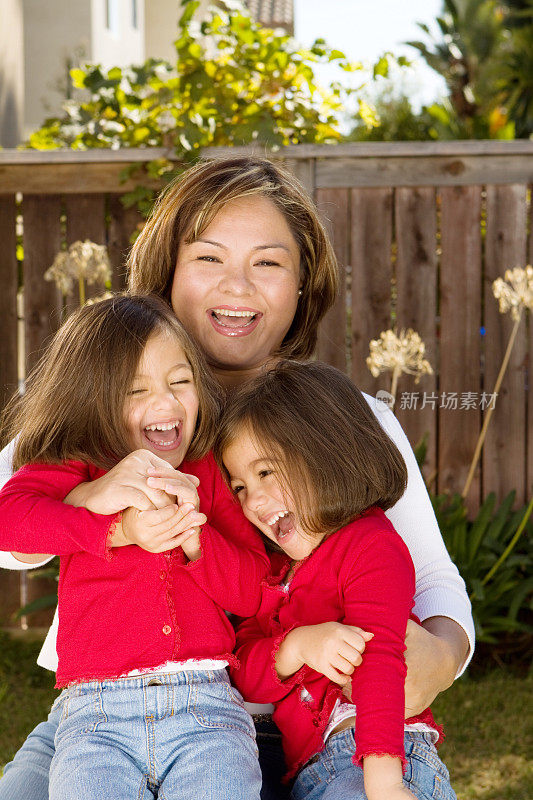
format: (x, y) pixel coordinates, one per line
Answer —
(299, 292)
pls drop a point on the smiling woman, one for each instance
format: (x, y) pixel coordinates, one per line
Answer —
(239, 281)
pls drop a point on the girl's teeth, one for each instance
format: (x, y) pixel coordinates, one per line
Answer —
(275, 518)
(163, 426)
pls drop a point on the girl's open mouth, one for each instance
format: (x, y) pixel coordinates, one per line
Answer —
(282, 526)
(234, 322)
(164, 435)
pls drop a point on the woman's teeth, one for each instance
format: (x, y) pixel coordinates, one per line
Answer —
(224, 312)
(164, 426)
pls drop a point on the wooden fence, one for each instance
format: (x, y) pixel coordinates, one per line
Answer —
(420, 229)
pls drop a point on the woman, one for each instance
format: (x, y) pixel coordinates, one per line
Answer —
(237, 249)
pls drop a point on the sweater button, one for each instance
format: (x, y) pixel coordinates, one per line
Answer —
(162, 574)
(315, 723)
(167, 630)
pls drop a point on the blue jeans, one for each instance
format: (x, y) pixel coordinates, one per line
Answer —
(334, 777)
(27, 775)
(172, 736)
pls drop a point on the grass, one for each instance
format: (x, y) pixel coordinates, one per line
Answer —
(488, 723)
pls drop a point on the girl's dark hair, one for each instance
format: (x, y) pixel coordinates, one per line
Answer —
(328, 448)
(73, 407)
(189, 204)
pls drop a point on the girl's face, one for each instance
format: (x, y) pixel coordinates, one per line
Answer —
(162, 403)
(235, 289)
(255, 482)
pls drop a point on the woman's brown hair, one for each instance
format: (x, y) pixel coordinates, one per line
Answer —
(73, 407)
(328, 448)
(191, 202)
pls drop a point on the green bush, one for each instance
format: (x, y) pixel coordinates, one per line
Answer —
(494, 555)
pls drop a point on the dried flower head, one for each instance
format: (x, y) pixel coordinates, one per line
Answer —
(104, 296)
(82, 261)
(515, 292)
(403, 353)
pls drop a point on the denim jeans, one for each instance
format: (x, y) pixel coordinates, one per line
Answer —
(334, 777)
(171, 736)
(27, 775)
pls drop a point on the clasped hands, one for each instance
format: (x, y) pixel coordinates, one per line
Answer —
(159, 504)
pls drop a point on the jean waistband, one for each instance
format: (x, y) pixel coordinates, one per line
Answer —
(182, 678)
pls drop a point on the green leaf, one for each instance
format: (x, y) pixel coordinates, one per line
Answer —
(39, 604)
(480, 526)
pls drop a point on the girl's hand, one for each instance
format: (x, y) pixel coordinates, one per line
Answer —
(126, 485)
(383, 779)
(331, 648)
(434, 654)
(160, 530)
(177, 485)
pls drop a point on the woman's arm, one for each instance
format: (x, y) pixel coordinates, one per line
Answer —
(441, 601)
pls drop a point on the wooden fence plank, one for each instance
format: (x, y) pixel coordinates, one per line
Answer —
(423, 171)
(42, 240)
(122, 224)
(304, 170)
(333, 206)
(416, 307)
(8, 298)
(371, 261)
(529, 324)
(460, 319)
(85, 220)
(504, 453)
(42, 311)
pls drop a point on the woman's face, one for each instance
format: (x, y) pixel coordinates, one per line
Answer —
(235, 289)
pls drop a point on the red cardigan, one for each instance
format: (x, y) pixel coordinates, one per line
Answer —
(125, 608)
(361, 575)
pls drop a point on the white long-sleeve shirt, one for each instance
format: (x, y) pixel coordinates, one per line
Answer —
(440, 590)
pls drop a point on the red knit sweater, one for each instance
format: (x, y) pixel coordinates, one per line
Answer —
(125, 608)
(361, 575)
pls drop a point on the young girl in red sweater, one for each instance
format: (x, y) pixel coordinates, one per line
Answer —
(144, 641)
(314, 471)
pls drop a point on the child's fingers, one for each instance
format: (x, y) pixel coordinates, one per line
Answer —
(155, 517)
(342, 664)
(356, 637)
(353, 656)
(336, 676)
(174, 475)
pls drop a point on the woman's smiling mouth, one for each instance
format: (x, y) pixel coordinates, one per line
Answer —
(234, 321)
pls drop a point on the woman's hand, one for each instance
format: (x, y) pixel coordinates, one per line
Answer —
(435, 651)
(126, 485)
(160, 530)
(331, 648)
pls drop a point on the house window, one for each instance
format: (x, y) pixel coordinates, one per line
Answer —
(112, 15)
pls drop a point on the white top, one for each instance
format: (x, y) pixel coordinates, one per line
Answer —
(440, 590)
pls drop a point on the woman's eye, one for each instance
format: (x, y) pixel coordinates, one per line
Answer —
(265, 472)
(237, 489)
(210, 259)
(133, 392)
(267, 263)
(181, 381)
